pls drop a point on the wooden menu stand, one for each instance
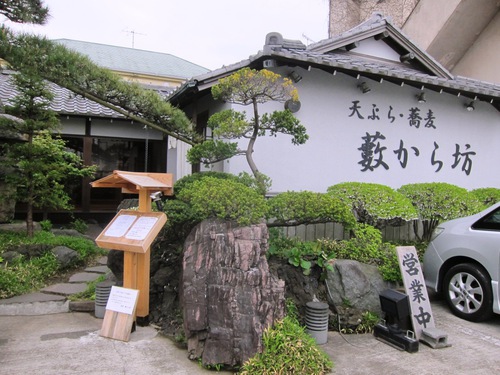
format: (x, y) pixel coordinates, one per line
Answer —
(133, 232)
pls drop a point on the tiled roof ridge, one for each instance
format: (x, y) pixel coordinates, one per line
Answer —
(115, 46)
(377, 20)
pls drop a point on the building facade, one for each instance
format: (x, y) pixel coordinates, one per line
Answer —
(377, 108)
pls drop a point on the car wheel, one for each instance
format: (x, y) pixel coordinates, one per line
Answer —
(468, 292)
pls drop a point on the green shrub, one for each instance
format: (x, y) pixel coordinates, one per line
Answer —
(374, 204)
(79, 225)
(279, 243)
(225, 199)
(438, 201)
(23, 276)
(46, 225)
(300, 254)
(181, 219)
(365, 243)
(261, 185)
(487, 196)
(305, 207)
(190, 179)
(288, 349)
(84, 247)
(364, 246)
(389, 265)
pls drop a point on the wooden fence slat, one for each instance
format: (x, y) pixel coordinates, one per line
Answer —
(336, 231)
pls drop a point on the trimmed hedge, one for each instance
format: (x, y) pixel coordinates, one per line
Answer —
(375, 204)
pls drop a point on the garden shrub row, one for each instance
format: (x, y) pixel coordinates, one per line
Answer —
(362, 208)
(237, 198)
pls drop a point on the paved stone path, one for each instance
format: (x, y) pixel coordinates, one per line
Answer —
(53, 299)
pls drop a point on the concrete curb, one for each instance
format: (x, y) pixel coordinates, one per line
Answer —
(34, 304)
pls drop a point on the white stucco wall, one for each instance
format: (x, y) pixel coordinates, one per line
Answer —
(108, 128)
(332, 153)
(123, 129)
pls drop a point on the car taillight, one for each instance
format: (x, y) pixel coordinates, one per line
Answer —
(436, 232)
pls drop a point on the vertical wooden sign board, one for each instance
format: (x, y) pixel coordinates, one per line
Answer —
(413, 279)
(120, 313)
(134, 231)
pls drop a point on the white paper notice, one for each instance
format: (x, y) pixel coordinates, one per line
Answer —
(120, 226)
(141, 228)
(122, 300)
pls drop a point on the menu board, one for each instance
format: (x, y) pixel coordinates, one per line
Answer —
(132, 231)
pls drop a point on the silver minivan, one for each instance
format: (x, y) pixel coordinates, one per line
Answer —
(462, 262)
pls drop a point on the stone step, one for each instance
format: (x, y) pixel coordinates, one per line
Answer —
(82, 306)
(84, 277)
(98, 269)
(34, 304)
(65, 289)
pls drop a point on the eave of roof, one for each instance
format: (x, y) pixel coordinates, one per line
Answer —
(380, 27)
(433, 77)
(65, 102)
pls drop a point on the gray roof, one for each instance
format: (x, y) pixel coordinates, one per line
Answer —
(114, 58)
(65, 101)
(135, 60)
(335, 54)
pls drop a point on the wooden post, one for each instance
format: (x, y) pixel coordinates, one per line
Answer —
(137, 249)
(143, 263)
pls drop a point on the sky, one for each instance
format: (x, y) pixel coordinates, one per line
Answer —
(210, 33)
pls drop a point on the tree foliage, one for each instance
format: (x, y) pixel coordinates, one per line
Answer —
(438, 201)
(40, 165)
(224, 199)
(305, 207)
(25, 11)
(374, 204)
(243, 178)
(76, 72)
(487, 196)
(248, 87)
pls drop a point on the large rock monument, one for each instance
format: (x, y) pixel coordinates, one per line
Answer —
(229, 295)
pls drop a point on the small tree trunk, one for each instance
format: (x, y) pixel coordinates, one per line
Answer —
(29, 213)
(31, 194)
(251, 142)
(29, 220)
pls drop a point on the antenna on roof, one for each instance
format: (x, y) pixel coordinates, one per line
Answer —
(133, 33)
(309, 40)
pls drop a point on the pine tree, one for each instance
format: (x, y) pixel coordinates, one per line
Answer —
(40, 164)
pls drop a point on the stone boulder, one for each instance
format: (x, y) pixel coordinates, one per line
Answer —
(229, 296)
(299, 288)
(19, 226)
(115, 264)
(355, 286)
(65, 256)
(28, 250)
